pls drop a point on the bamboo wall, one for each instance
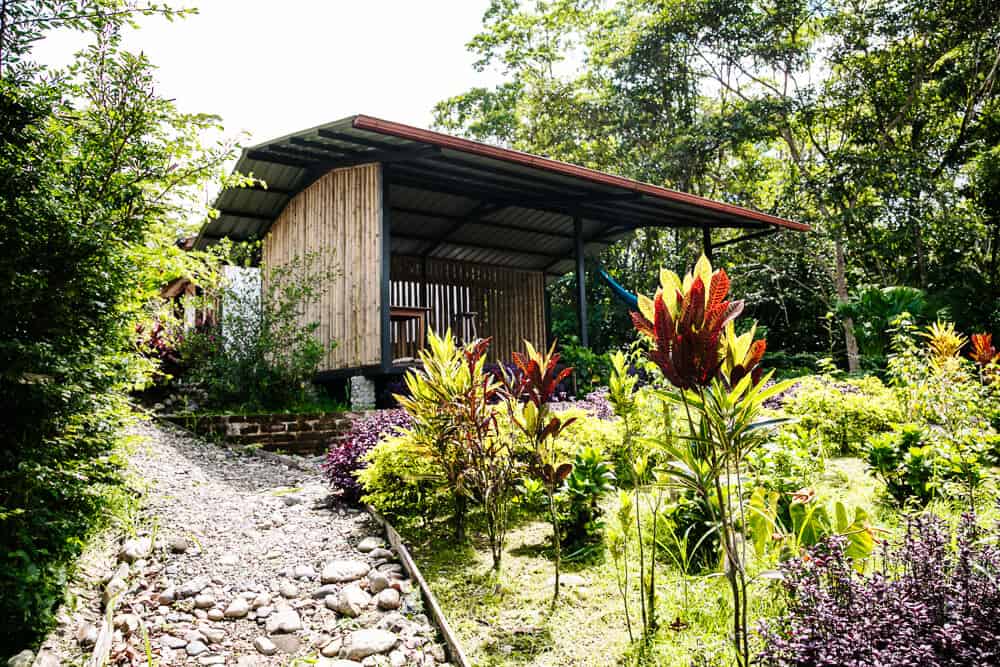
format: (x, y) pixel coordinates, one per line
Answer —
(339, 219)
(510, 303)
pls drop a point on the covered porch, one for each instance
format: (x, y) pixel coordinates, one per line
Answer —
(434, 232)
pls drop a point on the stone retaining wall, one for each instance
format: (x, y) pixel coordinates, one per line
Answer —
(294, 433)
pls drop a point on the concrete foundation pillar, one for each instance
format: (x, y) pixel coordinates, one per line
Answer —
(362, 393)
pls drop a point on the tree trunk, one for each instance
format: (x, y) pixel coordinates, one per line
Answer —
(840, 279)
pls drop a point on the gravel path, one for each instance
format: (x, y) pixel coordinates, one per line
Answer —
(244, 560)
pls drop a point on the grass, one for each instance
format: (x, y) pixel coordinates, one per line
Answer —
(509, 620)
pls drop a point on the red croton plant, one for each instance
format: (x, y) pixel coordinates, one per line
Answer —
(690, 325)
(983, 352)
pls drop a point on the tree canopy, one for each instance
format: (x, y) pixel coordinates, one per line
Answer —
(875, 121)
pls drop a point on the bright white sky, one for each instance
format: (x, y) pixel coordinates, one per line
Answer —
(270, 67)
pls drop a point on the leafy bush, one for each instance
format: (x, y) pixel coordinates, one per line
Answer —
(590, 369)
(97, 172)
(844, 413)
(260, 356)
(937, 607)
(346, 458)
(918, 463)
(401, 486)
(591, 479)
(786, 464)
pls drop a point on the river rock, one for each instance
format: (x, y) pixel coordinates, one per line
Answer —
(388, 599)
(350, 602)
(370, 544)
(195, 648)
(377, 581)
(135, 549)
(22, 659)
(284, 622)
(362, 643)
(265, 646)
(238, 608)
(339, 571)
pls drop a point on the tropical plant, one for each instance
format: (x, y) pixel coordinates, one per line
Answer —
(592, 478)
(935, 602)
(684, 324)
(346, 457)
(943, 341)
(435, 389)
(493, 468)
(535, 385)
(983, 352)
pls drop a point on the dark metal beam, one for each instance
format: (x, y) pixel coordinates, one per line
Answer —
(478, 246)
(481, 209)
(320, 146)
(480, 191)
(324, 163)
(263, 187)
(305, 154)
(581, 284)
(514, 227)
(267, 156)
(247, 215)
(361, 141)
(706, 241)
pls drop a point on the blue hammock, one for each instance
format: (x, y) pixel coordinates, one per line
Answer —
(623, 294)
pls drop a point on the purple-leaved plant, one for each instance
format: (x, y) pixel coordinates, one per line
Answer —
(345, 456)
(932, 605)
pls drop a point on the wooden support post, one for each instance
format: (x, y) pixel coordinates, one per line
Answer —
(386, 294)
(581, 284)
(706, 242)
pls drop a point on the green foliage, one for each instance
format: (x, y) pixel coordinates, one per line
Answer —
(98, 172)
(260, 355)
(400, 485)
(590, 369)
(844, 414)
(436, 435)
(918, 463)
(792, 460)
(591, 479)
(873, 310)
(809, 523)
(874, 122)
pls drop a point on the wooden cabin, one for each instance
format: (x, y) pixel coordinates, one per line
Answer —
(433, 231)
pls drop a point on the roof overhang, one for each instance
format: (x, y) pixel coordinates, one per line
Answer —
(461, 199)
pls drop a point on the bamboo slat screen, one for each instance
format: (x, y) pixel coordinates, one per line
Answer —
(509, 303)
(339, 217)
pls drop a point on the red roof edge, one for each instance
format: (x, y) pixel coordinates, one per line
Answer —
(370, 124)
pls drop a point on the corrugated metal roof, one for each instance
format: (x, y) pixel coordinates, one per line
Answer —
(459, 199)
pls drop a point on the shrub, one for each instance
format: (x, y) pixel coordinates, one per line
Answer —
(400, 485)
(938, 606)
(919, 462)
(346, 458)
(260, 356)
(844, 414)
(590, 369)
(591, 479)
